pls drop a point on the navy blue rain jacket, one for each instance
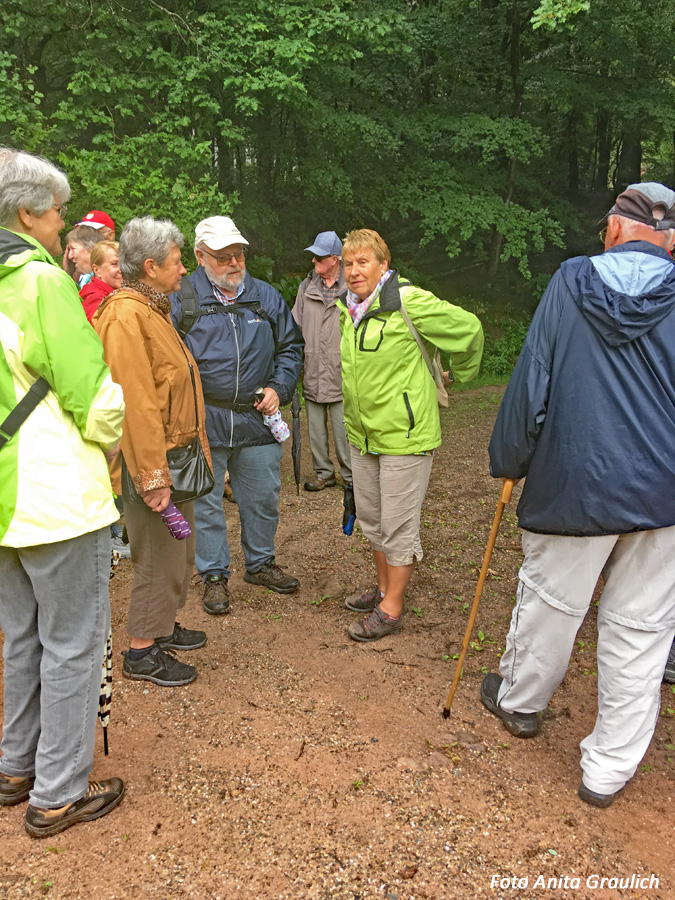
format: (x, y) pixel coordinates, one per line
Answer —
(237, 353)
(589, 413)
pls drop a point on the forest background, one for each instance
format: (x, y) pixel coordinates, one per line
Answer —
(483, 138)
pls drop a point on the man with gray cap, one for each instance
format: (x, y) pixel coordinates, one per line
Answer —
(249, 352)
(317, 314)
(588, 419)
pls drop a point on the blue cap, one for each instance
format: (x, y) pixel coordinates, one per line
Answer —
(327, 243)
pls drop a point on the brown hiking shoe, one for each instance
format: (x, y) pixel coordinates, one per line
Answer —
(14, 790)
(364, 602)
(216, 597)
(101, 797)
(273, 577)
(318, 484)
(375, 626)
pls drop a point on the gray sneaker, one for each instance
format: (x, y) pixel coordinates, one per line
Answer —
(159, 666)
(273, 577)
(375, 626)
(363, 603)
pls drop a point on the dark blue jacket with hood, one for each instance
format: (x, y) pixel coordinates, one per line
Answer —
(589, 413)
(238, 352)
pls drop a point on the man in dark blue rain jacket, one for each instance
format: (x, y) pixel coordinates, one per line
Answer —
(588, 418)
(249, 352)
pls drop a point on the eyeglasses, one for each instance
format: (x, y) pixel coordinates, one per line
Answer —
(239, 257)
(61, 209)
(603, 235)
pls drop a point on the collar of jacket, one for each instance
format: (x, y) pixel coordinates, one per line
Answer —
(642, 247)
(13, 244)
(204, 288)
(314, 286)
(389, 299)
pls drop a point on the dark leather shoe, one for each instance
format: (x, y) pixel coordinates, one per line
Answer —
(601, 801)
(522, 725)
(320, 483)
(13, 792)
(273, 577)
(216, 597)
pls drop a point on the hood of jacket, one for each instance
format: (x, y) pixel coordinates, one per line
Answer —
(18, 249)
(617, 316)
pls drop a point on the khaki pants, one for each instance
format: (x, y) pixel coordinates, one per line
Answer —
(389, 491)
(162, 570)
(317, 427)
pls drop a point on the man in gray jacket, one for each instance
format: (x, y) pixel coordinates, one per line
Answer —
(317, 315)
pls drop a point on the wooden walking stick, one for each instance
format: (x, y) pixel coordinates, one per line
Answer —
(504, 498)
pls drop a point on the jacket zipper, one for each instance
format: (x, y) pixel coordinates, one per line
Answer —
(236, 389)
(411, 417)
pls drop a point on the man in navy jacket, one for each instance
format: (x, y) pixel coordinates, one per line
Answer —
(244, 339)
(588, 418)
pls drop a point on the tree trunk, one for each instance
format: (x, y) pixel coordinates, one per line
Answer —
(572, 154)
(601, 176)
(630, 160)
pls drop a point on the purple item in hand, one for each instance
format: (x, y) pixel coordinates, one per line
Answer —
(176, 522)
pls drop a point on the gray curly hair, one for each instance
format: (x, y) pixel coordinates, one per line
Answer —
(146, 238)
(28, 182)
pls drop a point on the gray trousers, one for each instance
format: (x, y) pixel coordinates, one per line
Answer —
(55, 614)
(317, 426)
(636, 620)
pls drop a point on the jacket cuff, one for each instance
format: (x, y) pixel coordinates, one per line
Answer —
(150, 481)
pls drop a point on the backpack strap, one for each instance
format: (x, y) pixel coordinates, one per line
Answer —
(35, 393)
(189, 304)
(191, 311)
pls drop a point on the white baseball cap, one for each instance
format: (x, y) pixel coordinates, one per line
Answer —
(218, 232)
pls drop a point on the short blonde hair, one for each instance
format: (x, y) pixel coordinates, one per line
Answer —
(366, 238)
(100, 249)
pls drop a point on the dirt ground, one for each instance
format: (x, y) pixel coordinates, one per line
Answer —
(301, 764)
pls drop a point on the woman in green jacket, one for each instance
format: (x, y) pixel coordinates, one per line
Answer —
(391, 412)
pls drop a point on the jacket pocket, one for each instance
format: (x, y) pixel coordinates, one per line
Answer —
(411, 417)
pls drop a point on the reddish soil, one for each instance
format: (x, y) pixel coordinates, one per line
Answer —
(303, 765)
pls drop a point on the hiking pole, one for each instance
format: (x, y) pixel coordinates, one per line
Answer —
(504, 498)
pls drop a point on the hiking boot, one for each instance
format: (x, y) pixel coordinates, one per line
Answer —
(14, 790)
(364, 602)
(318, 484)
(101, 797)
(375, 626)
(669, 673)
(159, 666)
(216, 597)
(602, 801)
(182, 639)
(522, 725)
(273, 577)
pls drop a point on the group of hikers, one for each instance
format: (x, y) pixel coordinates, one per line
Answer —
(178, 385)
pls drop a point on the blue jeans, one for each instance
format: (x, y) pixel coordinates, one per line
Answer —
(55, 613)
(255, 478)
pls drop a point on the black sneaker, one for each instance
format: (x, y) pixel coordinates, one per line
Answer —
(182, 639)
(159, 666)
(601, 801)
(216, 597)
(364, 602)
(13, 791)
(273, 577)
(522, 725)
(101, 797)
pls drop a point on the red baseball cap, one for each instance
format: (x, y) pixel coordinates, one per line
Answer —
(96, 218)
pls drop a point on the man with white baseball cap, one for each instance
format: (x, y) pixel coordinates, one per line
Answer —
(317, 315)
(101, 221)
(243, 337)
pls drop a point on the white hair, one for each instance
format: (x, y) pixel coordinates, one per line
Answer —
(146, 238)
(634, 230)
(28, 182)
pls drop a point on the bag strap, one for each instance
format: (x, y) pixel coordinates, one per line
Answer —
(191, 312)
(433, 369)
(189, 304)
(35, 393)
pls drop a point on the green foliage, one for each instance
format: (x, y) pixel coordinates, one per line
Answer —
(552, 13)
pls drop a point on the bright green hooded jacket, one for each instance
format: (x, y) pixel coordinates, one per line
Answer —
(390, 397)
(54, 481)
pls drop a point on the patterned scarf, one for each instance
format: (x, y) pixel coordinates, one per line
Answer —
(157, 300)
(358, 308)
